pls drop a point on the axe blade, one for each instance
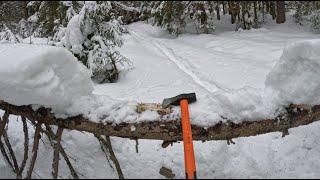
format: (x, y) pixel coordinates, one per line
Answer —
(191, 97)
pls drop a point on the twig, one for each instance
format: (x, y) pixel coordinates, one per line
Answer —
(57, 146)
(35, 148)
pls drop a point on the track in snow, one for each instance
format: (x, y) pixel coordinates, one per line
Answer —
(183, 65)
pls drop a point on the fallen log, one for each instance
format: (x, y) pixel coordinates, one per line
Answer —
(296, 115)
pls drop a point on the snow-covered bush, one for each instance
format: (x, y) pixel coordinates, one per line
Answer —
(170, 15)
(315, 20)
(202, 14)
(175, 15)
(49, 16)
(93, 36)
(6, 35)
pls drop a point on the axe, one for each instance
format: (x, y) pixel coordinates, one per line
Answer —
(183, 100)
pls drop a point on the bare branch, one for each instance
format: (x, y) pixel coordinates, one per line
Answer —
(51, 136)
(5, 155)
(35, 148)
(26, 146)
(106, 145)
(57, 146)
(3, 122)
(11, 153)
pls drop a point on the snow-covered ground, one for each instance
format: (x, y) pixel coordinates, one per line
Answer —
(228, 71)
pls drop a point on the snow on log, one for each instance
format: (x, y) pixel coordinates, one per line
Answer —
(44, 75)
(296, 115)
(295, 77)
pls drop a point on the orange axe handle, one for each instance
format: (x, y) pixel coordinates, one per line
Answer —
(190, 164)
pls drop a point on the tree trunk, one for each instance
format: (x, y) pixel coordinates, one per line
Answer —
(273, 10)
(268, 6)
(224, 8)
(218, 11)
(281, 12)
(255, 13)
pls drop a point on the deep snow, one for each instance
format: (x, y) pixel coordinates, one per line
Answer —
(228, 72)
(40, 74)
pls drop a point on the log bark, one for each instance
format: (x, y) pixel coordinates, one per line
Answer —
(171, 130)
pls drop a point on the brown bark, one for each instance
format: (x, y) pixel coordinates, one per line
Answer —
(281, 12)
(56, 153)
(35, 148)
(26, 147)
(171, 130)
(218, 11)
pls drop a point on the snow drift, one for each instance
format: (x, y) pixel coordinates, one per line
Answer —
(295, 77)
(44, 75)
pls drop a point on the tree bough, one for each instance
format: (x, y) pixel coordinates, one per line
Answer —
(168, 131)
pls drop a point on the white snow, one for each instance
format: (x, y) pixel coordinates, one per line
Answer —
(235, 74)
(74, 36)
(295, 77)
(44, 75)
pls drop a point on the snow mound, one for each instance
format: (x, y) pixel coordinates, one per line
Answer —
(295, 77)
(44, 75)
(74, 36)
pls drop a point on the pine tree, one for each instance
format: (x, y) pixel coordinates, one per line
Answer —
(50, 16)
(170, 15)
(6, 35)
(315, 21)
(92, 37)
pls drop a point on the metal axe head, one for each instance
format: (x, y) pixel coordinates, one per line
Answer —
(191, 97)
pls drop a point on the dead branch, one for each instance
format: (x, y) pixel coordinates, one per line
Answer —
(3, 122)
(26, 147)
(11, 152)
(51, 136)
(56, 159)
(5, 155)
(3, 133)
(107, 146)
(171, 130)
(35, 148)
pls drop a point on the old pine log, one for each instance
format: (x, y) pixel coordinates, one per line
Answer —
(170, 131)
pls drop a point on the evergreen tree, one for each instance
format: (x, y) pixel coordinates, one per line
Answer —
(93, 37)
(6, 35)
(50, 16)
(170, 15)
(315, 21)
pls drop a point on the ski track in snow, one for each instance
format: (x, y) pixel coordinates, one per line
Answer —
(182, 64)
